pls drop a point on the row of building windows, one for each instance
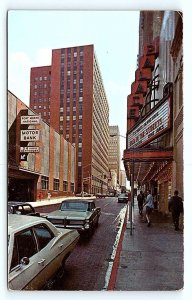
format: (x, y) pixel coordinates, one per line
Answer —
(45, 184)
(41, 86)
(40, 100)
(42, 78)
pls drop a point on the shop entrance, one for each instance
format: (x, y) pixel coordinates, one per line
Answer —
(21, 190)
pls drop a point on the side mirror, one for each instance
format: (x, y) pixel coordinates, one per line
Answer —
(24, 261)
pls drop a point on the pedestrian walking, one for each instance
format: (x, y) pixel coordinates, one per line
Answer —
(140, 201)
(40, 196)
(149, 204)
(175, 205)
(48, 195)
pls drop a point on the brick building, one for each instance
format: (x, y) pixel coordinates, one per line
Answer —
(39, 158)
(114, 149)
(154, 146)
(76, 106)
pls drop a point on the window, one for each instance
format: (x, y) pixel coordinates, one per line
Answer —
(44, 235)
(72, 187)
(56, 184)
(132, 112)
(61, 109)
(24, 246)
(65, 186)
(44, 182)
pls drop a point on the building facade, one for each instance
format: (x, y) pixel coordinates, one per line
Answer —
(39, 158)
(114, 150)
(154, 148)
(77, 108)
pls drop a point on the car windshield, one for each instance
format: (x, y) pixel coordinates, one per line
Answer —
(80, 206)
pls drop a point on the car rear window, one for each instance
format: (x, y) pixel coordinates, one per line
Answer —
(80, 206)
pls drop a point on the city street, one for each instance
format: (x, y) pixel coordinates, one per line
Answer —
(87, 266)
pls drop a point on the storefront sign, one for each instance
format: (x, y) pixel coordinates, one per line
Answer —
(29, 135)
(151, 127)
(30, 120)
(29, 149)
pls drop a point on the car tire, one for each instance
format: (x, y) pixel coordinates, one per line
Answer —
(61, 271)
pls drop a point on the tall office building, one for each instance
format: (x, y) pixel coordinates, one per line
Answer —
(114, 150)
(76, 106)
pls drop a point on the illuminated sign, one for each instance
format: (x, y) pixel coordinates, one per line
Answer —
(29, 135)
(30, 120)
(151, 127)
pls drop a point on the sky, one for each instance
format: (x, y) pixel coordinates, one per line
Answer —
(32, 34)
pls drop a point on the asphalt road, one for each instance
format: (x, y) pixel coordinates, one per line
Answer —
(88, 267)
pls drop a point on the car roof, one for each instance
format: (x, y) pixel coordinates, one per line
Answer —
(19, 222)
(15, 203)
(79, 200)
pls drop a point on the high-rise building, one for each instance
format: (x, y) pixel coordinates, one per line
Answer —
(114, 150)
(76, 106)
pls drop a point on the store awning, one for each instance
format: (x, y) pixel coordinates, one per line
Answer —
(147, 164)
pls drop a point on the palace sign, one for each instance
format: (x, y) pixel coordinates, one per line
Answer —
(151, 127)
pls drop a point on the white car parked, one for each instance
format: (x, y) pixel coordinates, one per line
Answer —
(37, 251)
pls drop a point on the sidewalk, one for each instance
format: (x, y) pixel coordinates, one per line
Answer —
(151, 259)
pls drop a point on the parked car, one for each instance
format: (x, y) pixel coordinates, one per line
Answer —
(83, 194)
(37, 251)
(22, 208)
(123, 198)
(99, 195)
(80, 214)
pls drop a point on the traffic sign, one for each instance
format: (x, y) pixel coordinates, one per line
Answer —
(23, 157)
(30, 149)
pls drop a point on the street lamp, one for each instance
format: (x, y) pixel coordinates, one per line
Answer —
(130, 203)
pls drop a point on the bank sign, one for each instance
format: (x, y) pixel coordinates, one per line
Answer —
(30, 120)
(151, 127)
(30, 135)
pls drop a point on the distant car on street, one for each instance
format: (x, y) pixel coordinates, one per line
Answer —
(81, 214)
(22, 208)
(99, 195)
(37, 251)
(84, 194)
(123, 198)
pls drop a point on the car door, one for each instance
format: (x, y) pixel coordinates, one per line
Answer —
(45, 256)
(51, 253)
(24, 245)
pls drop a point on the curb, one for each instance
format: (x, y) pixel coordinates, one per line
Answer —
(113, 276)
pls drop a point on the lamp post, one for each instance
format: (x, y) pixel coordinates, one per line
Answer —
(131, 202)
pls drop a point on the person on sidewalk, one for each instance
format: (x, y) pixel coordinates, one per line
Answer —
(149, 204)
(175, 205)
(140, 201)
(49, 196)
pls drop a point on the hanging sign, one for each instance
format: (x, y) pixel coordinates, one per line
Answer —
(30, 120)
(29, 135)
(29, 149)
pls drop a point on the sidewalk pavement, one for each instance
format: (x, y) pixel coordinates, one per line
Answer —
(151, 259)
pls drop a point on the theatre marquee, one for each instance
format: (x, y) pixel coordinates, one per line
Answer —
(151, 127)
